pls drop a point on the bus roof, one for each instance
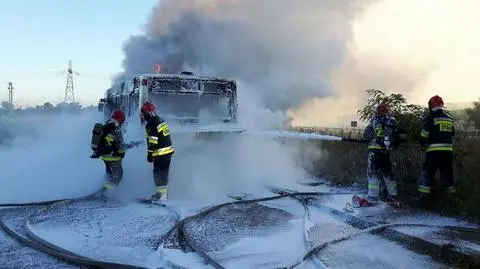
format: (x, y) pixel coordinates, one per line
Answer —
(186, 76)
(114, 90)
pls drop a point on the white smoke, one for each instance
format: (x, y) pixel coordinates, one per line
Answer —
(204, 169)
(50, 159)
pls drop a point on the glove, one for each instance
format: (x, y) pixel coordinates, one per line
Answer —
(133, 144)
(423, 146)
(128, 146)
(137, 143)
(120, 154)
(149, 158)
(386, 142)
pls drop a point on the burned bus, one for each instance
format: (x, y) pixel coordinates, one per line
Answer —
(179, 98)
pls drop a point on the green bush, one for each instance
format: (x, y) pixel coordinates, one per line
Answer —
(409, 116)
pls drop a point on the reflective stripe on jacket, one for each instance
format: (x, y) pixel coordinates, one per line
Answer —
(378, 129)
(437, 131)
(158, 138)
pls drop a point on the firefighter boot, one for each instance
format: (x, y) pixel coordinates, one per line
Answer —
(451, 197)
(394, 202)
(108, 189)
(161, 193)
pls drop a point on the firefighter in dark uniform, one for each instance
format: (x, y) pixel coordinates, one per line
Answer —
(112, 150)
(437, 136)
(382, 134)
(159, 149)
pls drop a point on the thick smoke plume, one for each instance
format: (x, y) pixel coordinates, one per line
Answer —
(281, 50)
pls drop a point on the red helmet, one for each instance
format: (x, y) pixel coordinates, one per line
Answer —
(383, 109)
(148, 108)
(435, 101)
(118, 116)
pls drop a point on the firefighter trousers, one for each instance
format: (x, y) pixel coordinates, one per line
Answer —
(379, 170)
(441, 160)
(114, 172)
(161, 168)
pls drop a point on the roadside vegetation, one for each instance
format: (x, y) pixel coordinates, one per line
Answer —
(12, 119)
(345, 163)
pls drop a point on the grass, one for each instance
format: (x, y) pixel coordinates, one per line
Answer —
(345, 163)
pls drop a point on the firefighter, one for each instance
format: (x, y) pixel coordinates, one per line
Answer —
(159, 149)
(382, 134)
(436, 137)
(112, 150)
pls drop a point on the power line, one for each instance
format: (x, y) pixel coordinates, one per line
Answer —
(69, 92)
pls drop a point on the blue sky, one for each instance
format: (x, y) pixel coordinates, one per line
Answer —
(38, 37)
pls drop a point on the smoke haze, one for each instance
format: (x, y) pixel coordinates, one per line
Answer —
(418, 48)
(281, 52)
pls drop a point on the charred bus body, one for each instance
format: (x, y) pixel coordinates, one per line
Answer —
(179, 98)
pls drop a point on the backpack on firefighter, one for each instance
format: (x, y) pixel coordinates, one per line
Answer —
(97, 136)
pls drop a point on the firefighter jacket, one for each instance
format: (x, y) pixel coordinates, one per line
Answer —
(381, 133)
(112, 144)
(437, 131)
(158, 137)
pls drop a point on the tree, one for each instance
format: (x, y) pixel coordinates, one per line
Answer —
(474, 114)
(409, 117)
(48, 106)
(74, 108)
(7, 105)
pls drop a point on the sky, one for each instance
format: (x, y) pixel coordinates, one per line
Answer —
(43, 35)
